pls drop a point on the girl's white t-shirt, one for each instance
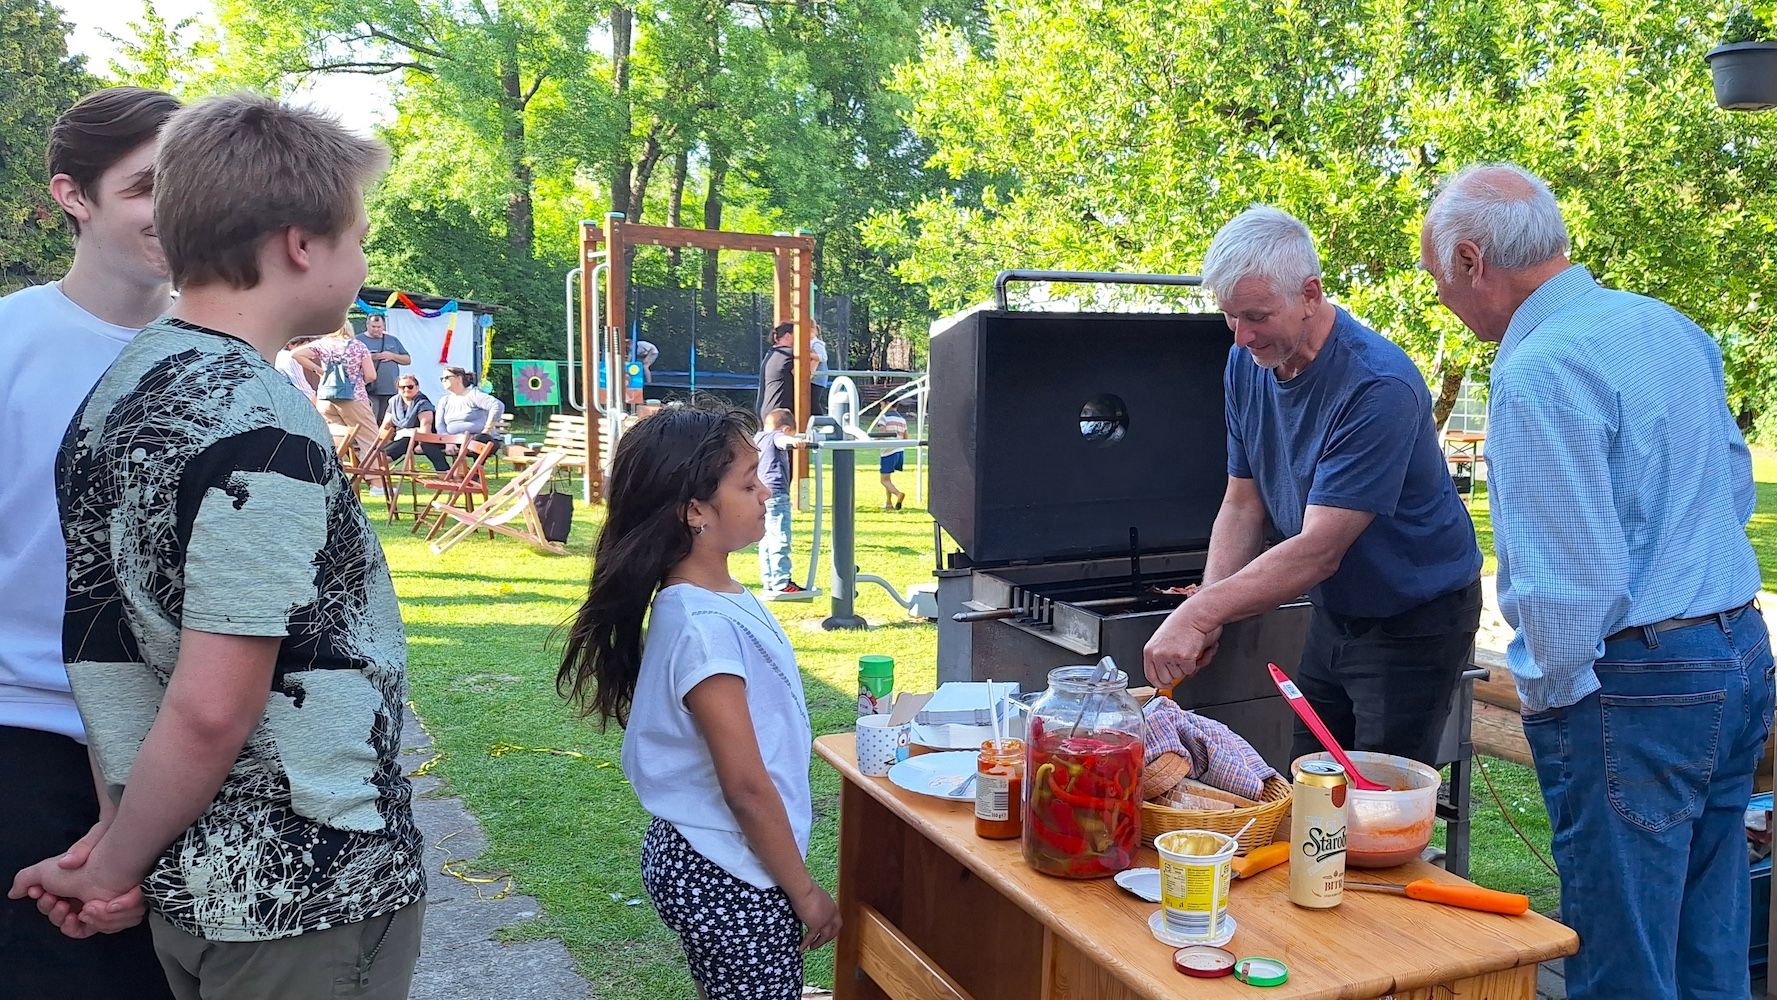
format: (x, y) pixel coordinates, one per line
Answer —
(694, 634)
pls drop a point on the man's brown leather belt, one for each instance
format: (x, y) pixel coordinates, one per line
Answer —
(1636, 631)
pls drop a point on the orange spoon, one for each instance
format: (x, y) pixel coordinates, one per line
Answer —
(1306, 712)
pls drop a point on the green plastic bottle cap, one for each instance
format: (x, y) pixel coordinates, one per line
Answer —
(1261, 972)
(876, 666)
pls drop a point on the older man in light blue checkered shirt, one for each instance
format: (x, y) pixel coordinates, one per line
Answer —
(1621, 489)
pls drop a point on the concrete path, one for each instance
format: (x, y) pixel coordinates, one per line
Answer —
(459, 959)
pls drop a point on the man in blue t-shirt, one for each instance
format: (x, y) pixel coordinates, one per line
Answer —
(1331, 443)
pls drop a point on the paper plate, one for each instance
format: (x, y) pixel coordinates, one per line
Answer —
(936, 774)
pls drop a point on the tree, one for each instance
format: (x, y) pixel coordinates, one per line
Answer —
(179, 57)
(484, 65)
(43, 80)
(1121, 136)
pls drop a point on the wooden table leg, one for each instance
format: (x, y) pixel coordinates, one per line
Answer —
(849, 983)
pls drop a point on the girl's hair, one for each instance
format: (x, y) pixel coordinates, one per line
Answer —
(678, 455)
(462, 373)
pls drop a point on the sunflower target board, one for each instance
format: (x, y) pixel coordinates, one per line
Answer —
(536, 383)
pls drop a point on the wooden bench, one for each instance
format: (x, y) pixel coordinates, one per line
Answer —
(565, 433)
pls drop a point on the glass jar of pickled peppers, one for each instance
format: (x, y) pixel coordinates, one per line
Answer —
(999, 789)
(1082, 776)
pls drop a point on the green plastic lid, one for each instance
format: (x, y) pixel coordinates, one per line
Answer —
(876, 665)
(1261, 972)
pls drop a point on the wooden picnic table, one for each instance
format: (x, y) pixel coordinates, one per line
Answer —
(932, 911)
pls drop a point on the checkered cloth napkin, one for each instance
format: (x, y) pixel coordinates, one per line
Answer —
(1216, 755)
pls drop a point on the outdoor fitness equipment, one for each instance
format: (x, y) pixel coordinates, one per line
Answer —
(838, 432)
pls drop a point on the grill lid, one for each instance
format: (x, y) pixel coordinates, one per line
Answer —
(1053, 434)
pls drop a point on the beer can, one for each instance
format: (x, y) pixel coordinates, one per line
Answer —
(1317, 835)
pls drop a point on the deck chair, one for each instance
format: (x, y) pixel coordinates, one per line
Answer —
(408, 473)
(514, 504)
(466, 480)
(370, 468)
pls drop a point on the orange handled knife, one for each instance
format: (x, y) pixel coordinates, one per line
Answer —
(1260, 859)
(1471, 897)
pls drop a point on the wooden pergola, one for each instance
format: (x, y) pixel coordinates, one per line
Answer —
(792, 298)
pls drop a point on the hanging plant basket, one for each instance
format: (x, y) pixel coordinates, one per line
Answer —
(1745, 75)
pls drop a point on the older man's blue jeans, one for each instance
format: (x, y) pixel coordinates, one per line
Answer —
(1647, 782)
(774, 548)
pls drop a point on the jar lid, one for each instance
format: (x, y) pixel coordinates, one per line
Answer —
(876, 663)
(1261, 972)
(1203, 961)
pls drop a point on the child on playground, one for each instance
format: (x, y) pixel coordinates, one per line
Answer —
(891, 424)
(717, 735)
(774, 443)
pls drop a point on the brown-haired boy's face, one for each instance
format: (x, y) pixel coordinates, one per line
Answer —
(117, 217)
(336, 271)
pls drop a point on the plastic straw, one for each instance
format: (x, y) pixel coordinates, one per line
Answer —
(994, 717)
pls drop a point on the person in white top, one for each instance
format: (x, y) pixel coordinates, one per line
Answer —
(717, 734)
(296, 367)
(891, 424)
(55, 342)
(820, 381)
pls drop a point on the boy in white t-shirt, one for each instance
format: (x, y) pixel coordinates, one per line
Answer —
(55, 342)
(891, 424)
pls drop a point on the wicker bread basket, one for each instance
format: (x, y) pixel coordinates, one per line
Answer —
(1273, 808)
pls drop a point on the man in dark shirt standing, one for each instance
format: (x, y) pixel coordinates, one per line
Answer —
(389, 354)
(1331, 441)
(777, 374)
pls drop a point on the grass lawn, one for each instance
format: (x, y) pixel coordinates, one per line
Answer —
(480, 623)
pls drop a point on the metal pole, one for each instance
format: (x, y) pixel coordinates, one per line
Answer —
(845, 565)
(919, 454)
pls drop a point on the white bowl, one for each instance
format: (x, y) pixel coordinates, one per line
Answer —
(1384, 829)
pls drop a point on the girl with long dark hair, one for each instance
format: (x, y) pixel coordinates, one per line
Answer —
(717, 735)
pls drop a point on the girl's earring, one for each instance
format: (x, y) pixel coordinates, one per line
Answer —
(699, 528)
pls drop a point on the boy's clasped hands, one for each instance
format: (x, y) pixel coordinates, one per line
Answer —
(81, 899)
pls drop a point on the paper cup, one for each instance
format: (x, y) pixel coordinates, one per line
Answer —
(1195, 866)
(880, 745)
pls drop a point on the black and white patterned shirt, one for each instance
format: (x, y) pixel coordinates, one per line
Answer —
(199, 489)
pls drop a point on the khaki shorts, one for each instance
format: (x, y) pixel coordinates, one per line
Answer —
(369, 960)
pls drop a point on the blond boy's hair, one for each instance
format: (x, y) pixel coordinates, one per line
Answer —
(779, 417)
(232, 171)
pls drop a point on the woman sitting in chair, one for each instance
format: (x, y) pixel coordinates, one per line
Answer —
(465, 409)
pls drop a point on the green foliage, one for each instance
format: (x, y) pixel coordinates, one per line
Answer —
(1744, 26)
(41, 81)
(1121, 136)
(179, 57)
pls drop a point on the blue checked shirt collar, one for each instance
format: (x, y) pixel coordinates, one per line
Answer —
(1550, 298)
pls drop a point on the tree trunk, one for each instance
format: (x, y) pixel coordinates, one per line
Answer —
(712, 220)
(644, 172)
(675, 215)
(520, 221)
(1449, 379)
(622, 22)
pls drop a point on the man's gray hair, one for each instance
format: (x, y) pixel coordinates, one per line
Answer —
(1506, 210)
(1263, 242)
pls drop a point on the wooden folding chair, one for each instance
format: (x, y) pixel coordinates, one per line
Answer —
(370, 468)
(466, 480)
(515, 502)
(407, 473)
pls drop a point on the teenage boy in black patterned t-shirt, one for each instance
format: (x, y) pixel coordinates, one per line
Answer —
(232, 635)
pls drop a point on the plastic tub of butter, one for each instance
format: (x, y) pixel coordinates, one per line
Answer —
(1384, 829)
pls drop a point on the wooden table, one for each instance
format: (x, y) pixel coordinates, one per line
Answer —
(932, 911)
(1463, 448)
